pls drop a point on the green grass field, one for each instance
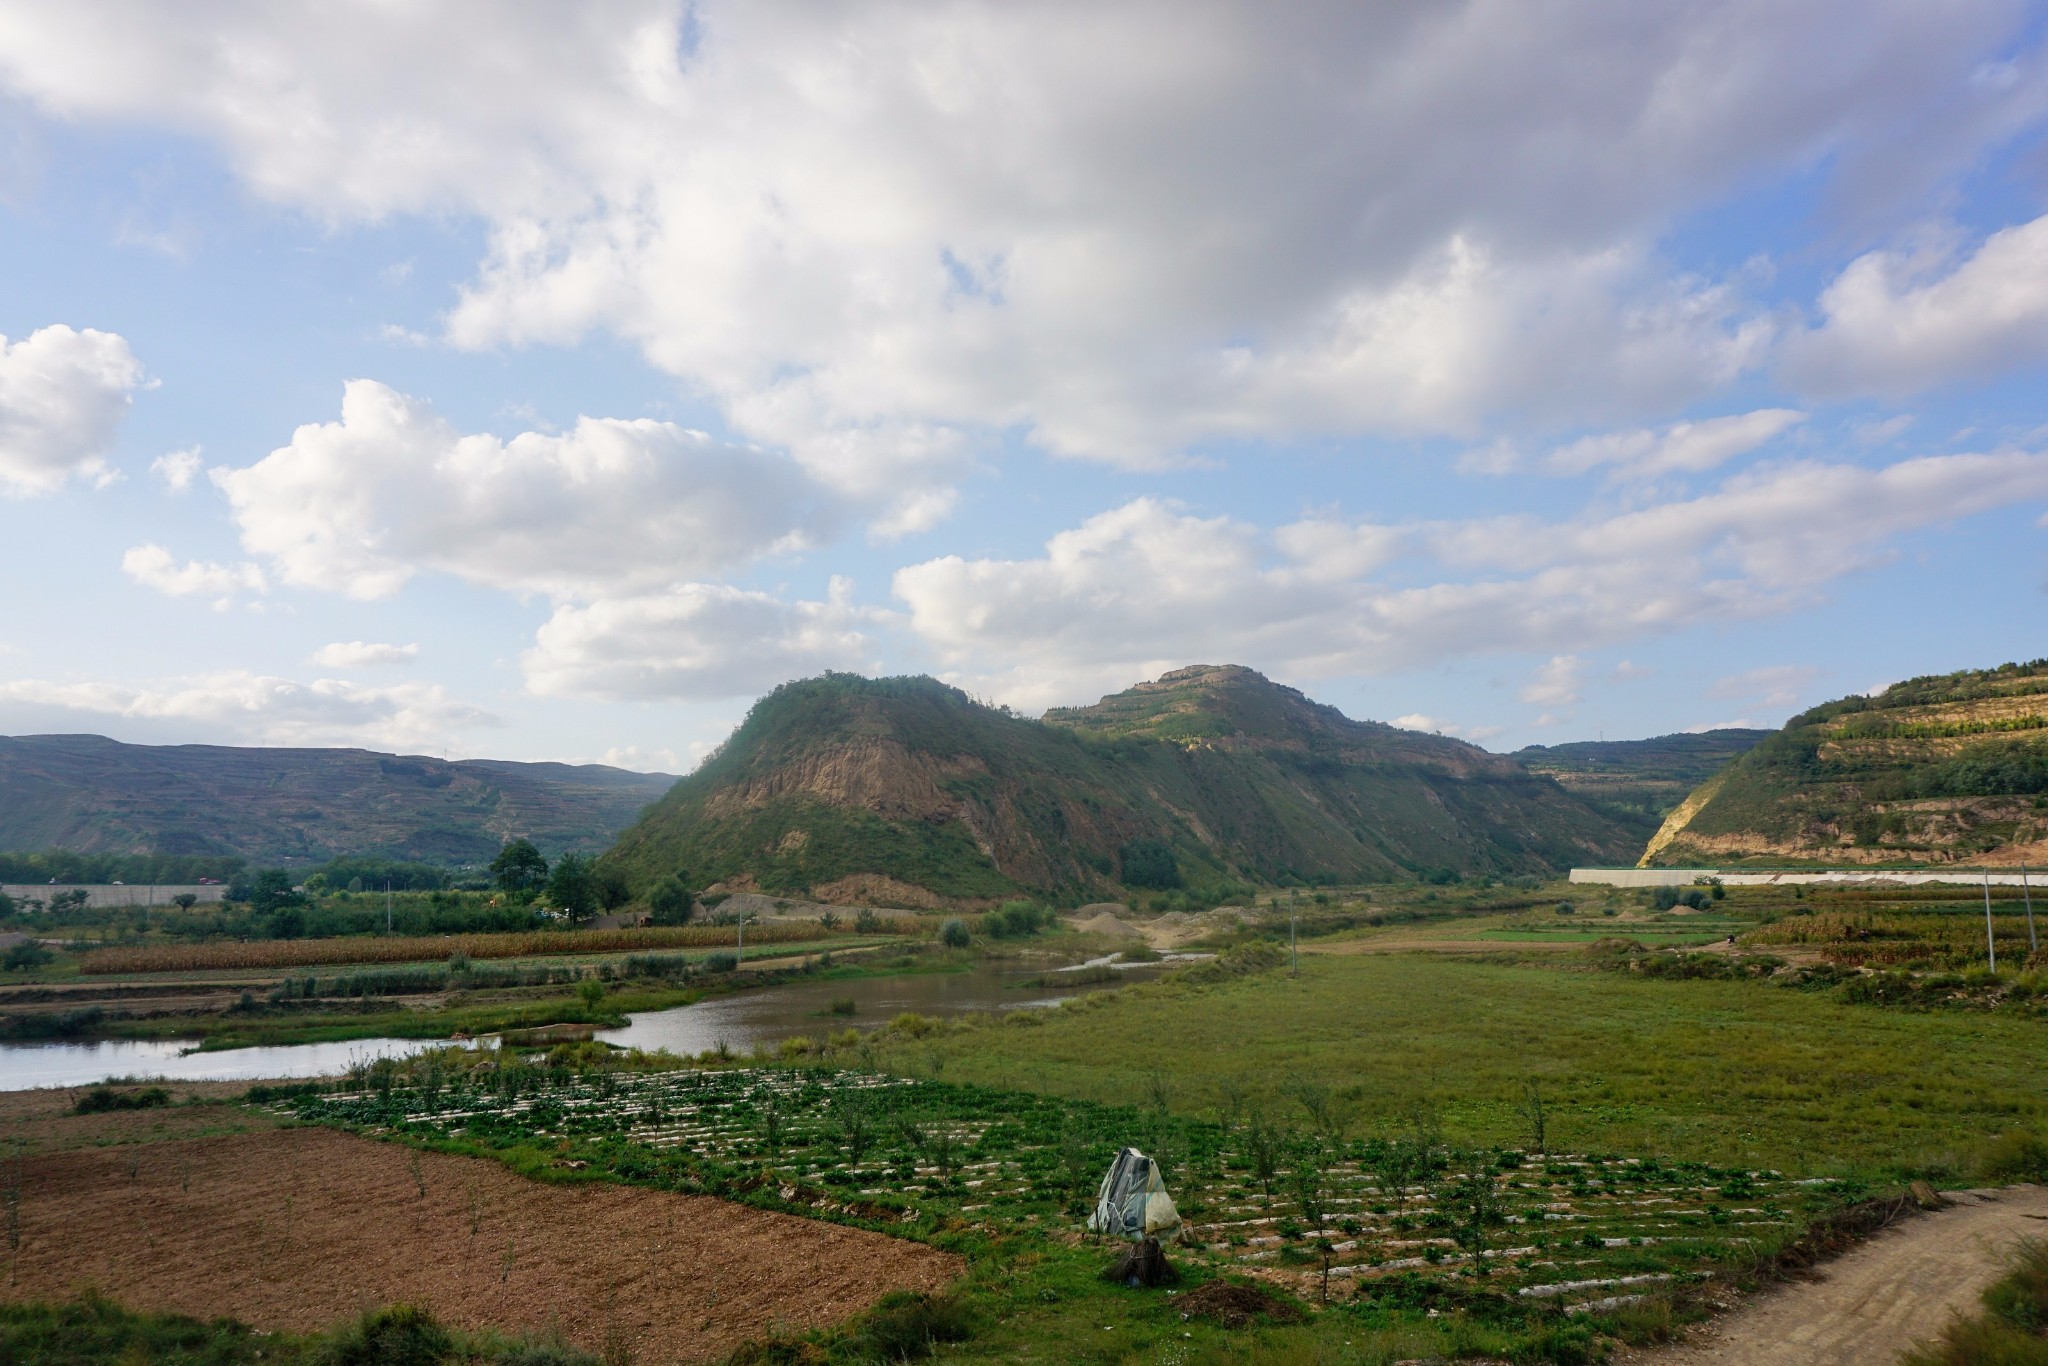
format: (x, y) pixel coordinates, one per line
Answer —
(1718, 1071)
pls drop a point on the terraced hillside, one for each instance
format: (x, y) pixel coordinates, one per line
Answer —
(1640, 781)
(904, 789)
(90, 794)
(1947, 768)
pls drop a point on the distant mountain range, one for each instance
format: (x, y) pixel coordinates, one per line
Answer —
(846, 788)
(1942, 769)
(94, 795)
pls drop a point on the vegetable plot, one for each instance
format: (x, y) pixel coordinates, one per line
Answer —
(935, 1159)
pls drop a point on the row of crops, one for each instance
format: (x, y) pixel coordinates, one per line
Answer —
(1296, 1203)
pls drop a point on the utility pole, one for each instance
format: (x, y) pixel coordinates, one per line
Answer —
(2033, 944)
(1293, 956)
(1990, 944)
(743, 938)
(387, 905)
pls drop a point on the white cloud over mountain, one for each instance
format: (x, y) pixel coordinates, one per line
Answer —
(902, 248)
(63, 393)
(697, 641)
(1147, 585)
(265, 709)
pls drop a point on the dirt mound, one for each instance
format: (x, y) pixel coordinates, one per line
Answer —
(1107, 924)
(872, 889)
(1176, 928)
(1235, 1304)
(782, 908)
(300, 1228)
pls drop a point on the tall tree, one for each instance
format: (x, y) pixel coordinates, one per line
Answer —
(519, 868)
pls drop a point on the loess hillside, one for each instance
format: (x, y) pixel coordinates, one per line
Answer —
(1947, 768)
(89, 794)
(846, 788)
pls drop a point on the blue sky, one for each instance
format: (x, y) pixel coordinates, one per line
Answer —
(551, 383)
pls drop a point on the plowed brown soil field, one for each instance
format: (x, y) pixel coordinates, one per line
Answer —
(299, 1228)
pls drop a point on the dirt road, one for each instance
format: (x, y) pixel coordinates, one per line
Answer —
(1868, 1306)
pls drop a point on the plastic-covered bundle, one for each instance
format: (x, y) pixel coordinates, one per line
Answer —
(1133, 1202)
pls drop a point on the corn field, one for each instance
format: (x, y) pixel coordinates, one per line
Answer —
(305, 953)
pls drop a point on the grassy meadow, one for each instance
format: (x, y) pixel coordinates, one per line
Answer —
(1721, 1071)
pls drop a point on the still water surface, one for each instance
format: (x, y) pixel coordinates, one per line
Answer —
(740, 1021)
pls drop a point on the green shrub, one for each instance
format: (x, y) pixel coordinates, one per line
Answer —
(103, 1098)
(1016, 920)
(905, 1325)
(1566, 908)
(953, 934)
(721, 961)
(401, 1335)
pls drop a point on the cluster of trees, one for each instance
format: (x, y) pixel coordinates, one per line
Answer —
(575, 884)
(1149, 864)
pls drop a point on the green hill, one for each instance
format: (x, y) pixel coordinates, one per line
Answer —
(1947, 768)
(1640, 781)
(93, 795)
(844, 787)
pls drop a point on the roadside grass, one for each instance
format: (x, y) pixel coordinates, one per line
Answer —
(1722, 1071)
(2012, 1330)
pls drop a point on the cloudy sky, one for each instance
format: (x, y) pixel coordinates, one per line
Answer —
(548, 381)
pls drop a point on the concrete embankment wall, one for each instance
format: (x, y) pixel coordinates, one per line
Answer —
(1685, 877)
(115, 894)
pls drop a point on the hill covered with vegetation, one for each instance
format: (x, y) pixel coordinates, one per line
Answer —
(91, 795)
(1942, 769)
(1640, 781)
(846, 788)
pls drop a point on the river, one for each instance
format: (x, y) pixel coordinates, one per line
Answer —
(740, 1021)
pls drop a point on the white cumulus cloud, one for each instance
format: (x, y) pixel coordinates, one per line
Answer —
(1556, 684)
(152, 566)
(362, 654)
(696, 641)
(63, 393)
(360, 505)
(1901, 322)
(884, 235)
(178, 468)
(1149, 586)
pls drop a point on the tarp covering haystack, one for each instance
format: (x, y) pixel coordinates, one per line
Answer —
(1133, 1204)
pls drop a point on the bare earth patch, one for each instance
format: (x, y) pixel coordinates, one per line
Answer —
(299, 1228)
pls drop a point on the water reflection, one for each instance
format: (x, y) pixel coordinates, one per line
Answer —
(747, 1018)
(740, 1021)
(27, 1065)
